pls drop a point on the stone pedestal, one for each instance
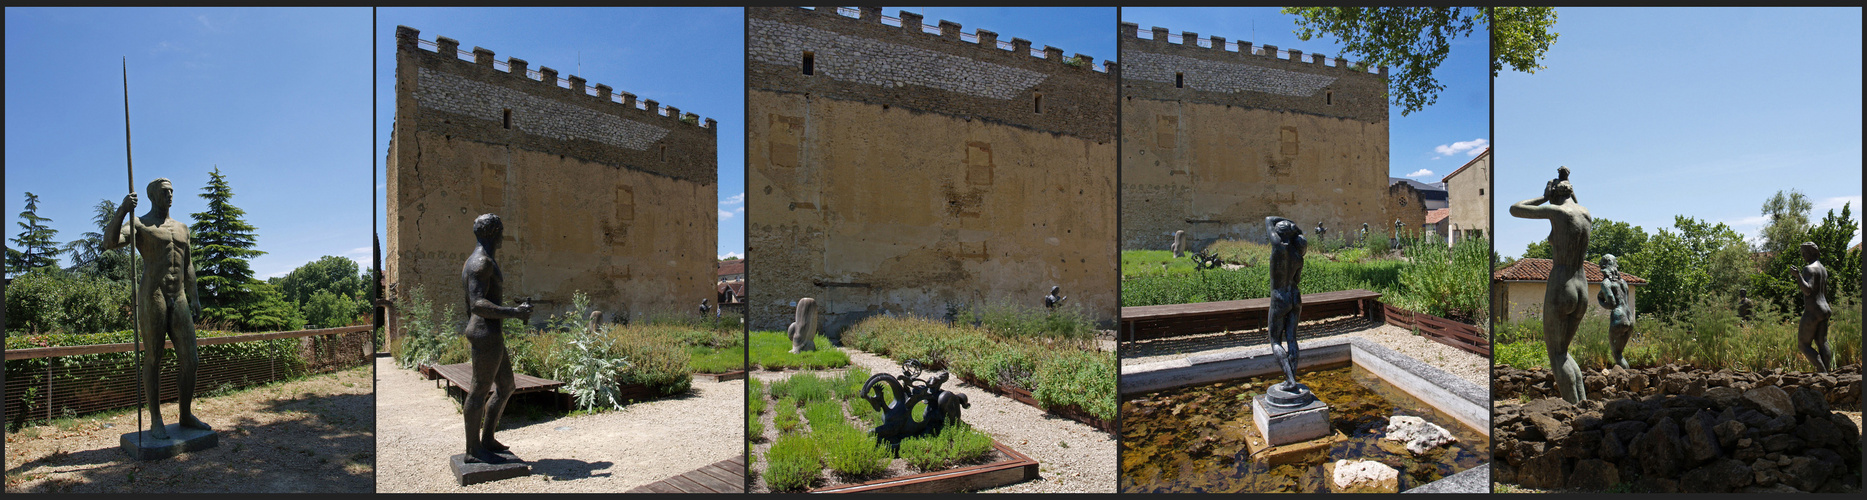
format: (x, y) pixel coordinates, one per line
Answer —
(181, 440)
(1280, 425)
(467, 473)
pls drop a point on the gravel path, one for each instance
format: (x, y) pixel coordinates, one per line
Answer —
(419, 427)
(1460, 363)
(1072, 457)
(311, 435)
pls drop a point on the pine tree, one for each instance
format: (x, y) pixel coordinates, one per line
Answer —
(34, 247)
(223, 243)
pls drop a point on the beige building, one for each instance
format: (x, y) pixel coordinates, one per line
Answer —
(599, 193)
(1517, 290)
(1218, 135)
(1468, 196)
(912, 169)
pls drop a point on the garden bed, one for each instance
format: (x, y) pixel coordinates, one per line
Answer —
(811, 433)
(1071, 412)
(772, 351)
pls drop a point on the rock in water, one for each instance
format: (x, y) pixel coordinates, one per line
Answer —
(1357, 476)
(1419, 435)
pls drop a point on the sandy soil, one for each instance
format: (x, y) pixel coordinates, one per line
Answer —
(311, 435)
(419, 427)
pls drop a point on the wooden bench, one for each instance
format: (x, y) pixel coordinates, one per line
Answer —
(460, 376)
(1153, 322)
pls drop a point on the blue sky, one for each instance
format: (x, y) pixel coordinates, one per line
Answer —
(1703, 112)
(1425, 145)
(278, 98)
(689, 58)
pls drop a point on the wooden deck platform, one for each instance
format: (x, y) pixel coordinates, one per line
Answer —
(1153, 322)
(460, 376)
(725, 476)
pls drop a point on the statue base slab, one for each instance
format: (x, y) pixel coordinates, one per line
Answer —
(467, 473)
(142, 446)
(1281, 426)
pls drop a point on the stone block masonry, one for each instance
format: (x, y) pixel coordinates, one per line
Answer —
(600, 193)
(894, 170)
(1217, 137)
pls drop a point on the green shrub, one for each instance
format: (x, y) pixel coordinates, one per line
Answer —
(955, 444)
(772, 351)
(849, 387)
(1012, 321)
(805, 387)
(429, 336)
(824, 415)
(1523, 354)
(851, 452)
(1449, 283)
(786, 416)
(755, 397)
(593, 372)
(755, 428)
(50, 300)
(1082, 379)
(792, 463)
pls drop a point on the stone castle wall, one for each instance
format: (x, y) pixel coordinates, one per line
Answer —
(909, 172)
(1218, 137)
(599, 193)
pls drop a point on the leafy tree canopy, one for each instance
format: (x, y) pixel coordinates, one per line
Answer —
(1413, 41)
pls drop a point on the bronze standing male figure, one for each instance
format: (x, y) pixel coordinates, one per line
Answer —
(1287, 248)
(167, 302)
(492, 368)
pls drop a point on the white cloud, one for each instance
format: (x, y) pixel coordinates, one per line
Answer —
(1421, 173)
(1835, 203)
(1754, 220)
(731, 254)
(725, 214)
(734, 199)
(360, 255)
(740, 209)
(1470, 148)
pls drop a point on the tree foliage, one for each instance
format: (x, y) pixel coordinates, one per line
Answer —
(330, 273)
(1605, 237)
(1789, 221)
(223, 244)
(34, 247)
(1776, 283)
(88, 255)
(1413, 41)
(1677, 265)
(49, 299)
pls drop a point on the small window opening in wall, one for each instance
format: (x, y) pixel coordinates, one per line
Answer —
(1328, 98)
(810, 63)
(508, 119)
(1038, 104)
(664, 153)
(1179, 80)
(1481, 191)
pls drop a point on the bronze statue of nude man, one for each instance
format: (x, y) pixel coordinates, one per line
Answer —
(1565, 300)
(166, 298)
(492, 368)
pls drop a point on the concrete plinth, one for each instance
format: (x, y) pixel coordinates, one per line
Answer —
(142, 446)
(467, 473)
(1281, 426)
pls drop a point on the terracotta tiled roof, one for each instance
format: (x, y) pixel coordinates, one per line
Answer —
(1538, 270)
(1475, 158)
(1438, 214)
(735, 266)
(738, 288)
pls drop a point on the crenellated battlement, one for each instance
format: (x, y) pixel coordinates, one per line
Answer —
(408, 38)
(1241, 48)
(948, 30)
